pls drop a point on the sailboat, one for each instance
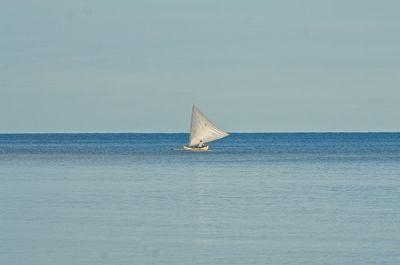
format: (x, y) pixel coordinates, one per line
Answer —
(202, 131)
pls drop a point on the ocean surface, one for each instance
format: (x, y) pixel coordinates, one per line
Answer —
(265, 198)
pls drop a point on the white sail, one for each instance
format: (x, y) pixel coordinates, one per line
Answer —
(203, 129)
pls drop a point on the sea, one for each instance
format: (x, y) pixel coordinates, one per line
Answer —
(256, 198)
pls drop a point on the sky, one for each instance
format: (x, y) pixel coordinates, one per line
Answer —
(250, 66)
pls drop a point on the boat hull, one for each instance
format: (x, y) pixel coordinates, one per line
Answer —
(190, 148)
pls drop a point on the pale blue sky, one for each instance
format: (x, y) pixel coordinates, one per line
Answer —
(138, 66)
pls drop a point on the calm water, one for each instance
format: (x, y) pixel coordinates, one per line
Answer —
(303, 198)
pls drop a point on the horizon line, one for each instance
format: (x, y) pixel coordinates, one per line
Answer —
(260, 132)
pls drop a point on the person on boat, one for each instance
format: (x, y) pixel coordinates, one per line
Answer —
(201, 144)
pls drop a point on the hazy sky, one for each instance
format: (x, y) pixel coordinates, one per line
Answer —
(138, 66)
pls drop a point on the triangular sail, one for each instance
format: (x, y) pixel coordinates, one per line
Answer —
(203, 129)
